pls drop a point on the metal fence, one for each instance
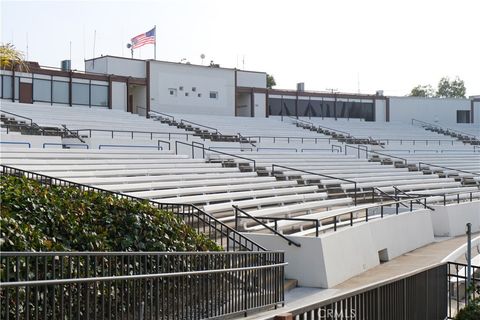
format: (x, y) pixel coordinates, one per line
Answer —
(126, 285)
(225, 236)
(416, 297)
(459, 292)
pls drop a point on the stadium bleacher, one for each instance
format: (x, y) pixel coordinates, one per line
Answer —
(264, 166)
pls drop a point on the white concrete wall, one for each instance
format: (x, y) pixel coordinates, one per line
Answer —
(119, 96)
(251, 79)
(380, 110)
(450, 220)
(117, 66)
(335, 257)
(426, 109)
(165, 75)
(476, 112)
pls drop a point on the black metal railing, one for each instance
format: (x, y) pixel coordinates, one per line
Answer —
(367, 151)
(318, 174)
(424, 203)
(162, 114)
(201, 146)
(225, 236)
(274, 230)
(200, 125)
(447, 168)
(132, 133)
(332, 220)
(459, 291)
(139, 285)
(17, 115)
(276, 139)
(418, 296)
(70, 132)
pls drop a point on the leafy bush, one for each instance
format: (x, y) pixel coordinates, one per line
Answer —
(35, 217)
(470, 312)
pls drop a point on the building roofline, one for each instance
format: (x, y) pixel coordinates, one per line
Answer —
(171, 62)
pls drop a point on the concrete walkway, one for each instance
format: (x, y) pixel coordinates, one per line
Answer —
(410, 262)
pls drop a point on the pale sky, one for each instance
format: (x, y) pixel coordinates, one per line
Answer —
(345, 45)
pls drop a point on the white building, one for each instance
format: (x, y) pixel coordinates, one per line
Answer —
(140, 86)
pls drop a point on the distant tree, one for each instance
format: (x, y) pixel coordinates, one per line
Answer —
(270, 81)
(451, 88)
(422, 91)
(11, 57)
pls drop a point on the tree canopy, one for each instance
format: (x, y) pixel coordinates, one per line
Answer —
(446, 89)
(11, 57)
(270, 81)
(451, 88)
(423, 91)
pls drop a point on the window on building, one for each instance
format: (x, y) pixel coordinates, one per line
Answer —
(463, 116)
(17, 88)
(7, 87)
(42, 90)
(172, 92)
(99, 96)
(213, 94)
(194, 89)
(60, 92)
(80, 93)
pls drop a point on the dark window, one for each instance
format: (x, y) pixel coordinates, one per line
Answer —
(99, 95)
(42, 90)
(463, 116)
(80, 94)
(60, 92)
(213, 94)
(194, 89)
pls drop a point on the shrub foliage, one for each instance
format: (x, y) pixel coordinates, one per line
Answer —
(36, 217)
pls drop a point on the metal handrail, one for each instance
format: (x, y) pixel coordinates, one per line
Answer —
(317, 174)
(163, 141)
(201, 125)
(274, 138)
(132, 132)
(17, 115)
(445, 128)
(290, 241)
(397, 190)
(386, 194)
(162, 114)
(158, 147)
(371, 151)
(397, 203)
(133, 277)
(433, 165)
(202, 146)
(73, 133)
(178, 209)
(301, 120)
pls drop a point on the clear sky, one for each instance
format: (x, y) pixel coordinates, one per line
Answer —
(348, 45)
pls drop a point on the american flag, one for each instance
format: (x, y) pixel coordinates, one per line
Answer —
(143, 39)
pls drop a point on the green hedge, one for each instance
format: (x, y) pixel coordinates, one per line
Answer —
(35, 217)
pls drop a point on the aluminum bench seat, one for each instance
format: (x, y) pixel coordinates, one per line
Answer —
(144, 186)
(134, 172)
(212, 189)
(166, 177)
(275, 200)
(230, 196)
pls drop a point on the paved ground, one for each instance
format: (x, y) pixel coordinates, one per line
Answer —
(409, 262)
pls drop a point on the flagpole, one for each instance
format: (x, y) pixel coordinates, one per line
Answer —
(155, 45)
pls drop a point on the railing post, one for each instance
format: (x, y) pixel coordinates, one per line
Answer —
(317, 225)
